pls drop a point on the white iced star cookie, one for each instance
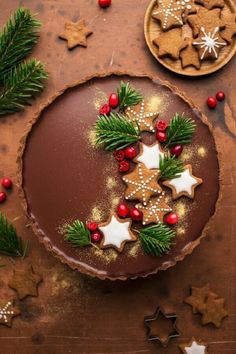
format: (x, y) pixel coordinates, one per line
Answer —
(150, 155)
(185, 184)
(116, 232)
(138, 115)
(194, 348)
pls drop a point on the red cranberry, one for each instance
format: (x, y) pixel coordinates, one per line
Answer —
(172, 219)
(211, 102)
(135, 214)
(130, 152)
(119, 155)
(96, 236)
(3, 197)
(220, 96)
(104, 3)
(92, 226)
(124, 166)
(105, 109)
(176, 150)
(114, 100)
(122, 210)
(6, 183)
(161, 136)
(161, 125)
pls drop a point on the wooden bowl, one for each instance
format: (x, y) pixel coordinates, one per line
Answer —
(152, 29)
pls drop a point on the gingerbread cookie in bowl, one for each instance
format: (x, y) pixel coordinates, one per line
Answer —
(191, 38)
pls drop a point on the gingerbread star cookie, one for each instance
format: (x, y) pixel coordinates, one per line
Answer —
(210, 4)
(194, 347)
(142, 184)
(229, 21)
(213, 311)
(184, 185)
(189, 56)
(116, 232)
(150, 155)
(155, 210)
(207, 19)
(76, 34)
(169, 13)
(199, 296)
(7, 312)
(138, 114)
(209, 44)
(170, 43)
(25, 282)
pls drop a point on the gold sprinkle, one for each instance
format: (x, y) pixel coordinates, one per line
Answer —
(92, 138)
(114, 201)
(108, 255)
(201, 151)
(157, 103)
(99, 99)
(96, 214)
(133, 252)
(181, 209)
(186, 154)
(180, 231)
(111, 182)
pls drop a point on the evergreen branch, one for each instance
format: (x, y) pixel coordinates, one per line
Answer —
(156, 239)
(115, 132)
(10, 243)
(128, 96)
(17, 40)
(180, 130)
(170, 167)
(20, 85)
(77, 234)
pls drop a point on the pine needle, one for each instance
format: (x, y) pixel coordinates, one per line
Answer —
(180, 130)
(10, 243)
(170, 167)
(156, 239)
(20, 85)
(128, 96)
(17, 39)
(77, 234)
(115, 132)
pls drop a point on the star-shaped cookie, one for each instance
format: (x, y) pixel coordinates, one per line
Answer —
(189, 56)
(194, 347)
(199, 296)
(25, 282)
(208, 19)
(229, 21)
(209, 44)
(150, 155)
(210, 4)
(142, 184)
(155, 210)
(138, 114)
(7, 311)
(116, 232)
(170, 43)
(169, 13)
(76, 34)
(213, 311)
(185, 184)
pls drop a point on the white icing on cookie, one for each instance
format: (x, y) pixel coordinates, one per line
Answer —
(116, 232)
(150, 156)
(209, 42)
(141, 118)
(5, 312)
(195, 348)
(184, 183)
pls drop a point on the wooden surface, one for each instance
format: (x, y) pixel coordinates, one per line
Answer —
(76, 314)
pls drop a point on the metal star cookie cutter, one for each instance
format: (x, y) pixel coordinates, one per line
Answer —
(154, 337)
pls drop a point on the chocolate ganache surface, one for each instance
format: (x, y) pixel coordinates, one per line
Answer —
(65, 177)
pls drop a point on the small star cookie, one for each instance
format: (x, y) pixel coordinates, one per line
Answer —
(150, 155)
(213, 311)
(209, 44)
(155, 210)
(169, 13)
(7, 312)
(193, 347)
(189, 56)
(137, 114)
(25, 282)
(229, 21)
(142, 184)
(170, 43)
(199, 296)
(208, 19)
(116, 232)
(210, 4)
(76, 34)
(185, 184)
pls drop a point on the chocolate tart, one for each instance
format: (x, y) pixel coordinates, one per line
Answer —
(64, 177)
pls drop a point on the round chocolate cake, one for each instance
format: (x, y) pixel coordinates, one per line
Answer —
(66, 176)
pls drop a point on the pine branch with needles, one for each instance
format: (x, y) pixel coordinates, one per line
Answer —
(128, 96)
(180, 130)
(170, 167)
(77, 234)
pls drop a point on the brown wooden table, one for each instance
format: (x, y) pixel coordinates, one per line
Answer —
(77, 314)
